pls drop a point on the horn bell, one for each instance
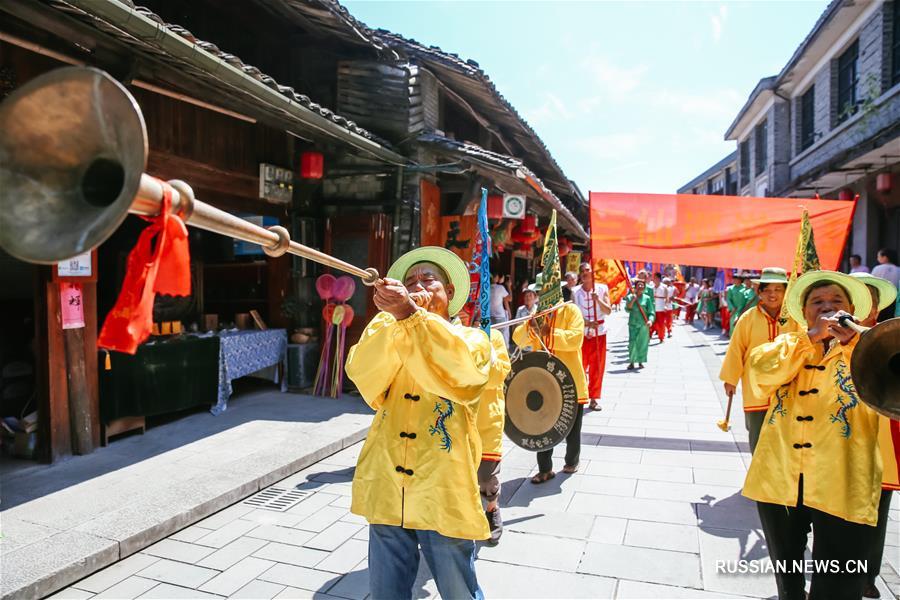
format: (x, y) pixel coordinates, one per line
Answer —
(72, 152)
(875, 367)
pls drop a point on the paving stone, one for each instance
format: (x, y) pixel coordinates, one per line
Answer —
(18, 533)
(298, 577)
(689, 492)
(641, 471)
(71, 593)
(285, 535)
(237, 576)
(225, 516)
(292, 555)
(190, 534)
(176, 573)
(532, 550)
(642, 564)
(342, 502)
(719, 460)
(258, 590)
(728, 544)
(229, 555)
(598, 484)
(113, 574)
(559, 524)
(332, 537)
(292, 593)
(501, 580)
(733, 512)
(663, 536)
(608, 530)
(639, 590)
(227, 533)
(312, 504)
(355, 584)
(681, 513)
(180, 551)
(167, 591)
(271, 517)
(321, 519)
(131, 587)
(720, 477)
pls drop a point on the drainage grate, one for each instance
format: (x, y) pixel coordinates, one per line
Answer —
(275, 498)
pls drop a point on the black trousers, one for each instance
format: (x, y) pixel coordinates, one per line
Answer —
(877, 552)
(573, 446)
(786, 529)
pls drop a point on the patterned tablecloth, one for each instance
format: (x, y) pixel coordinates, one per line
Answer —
(244, 352)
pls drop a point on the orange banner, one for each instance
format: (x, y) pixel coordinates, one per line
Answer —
(458, 234)
(715, 231)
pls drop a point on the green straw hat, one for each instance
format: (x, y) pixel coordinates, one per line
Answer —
(859, 294)
(536, 286)
(453, 266)
(772, 275)
(887, 293)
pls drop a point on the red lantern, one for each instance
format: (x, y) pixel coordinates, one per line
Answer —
(529, 223)
(312, 165)
(845, 194)
(495, 206)
(884, 182)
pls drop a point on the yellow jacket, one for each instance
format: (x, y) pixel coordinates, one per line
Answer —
(417, 468)
(889, 443)
(564, 343)
(492, 406)
(755, 327)
(816, 427)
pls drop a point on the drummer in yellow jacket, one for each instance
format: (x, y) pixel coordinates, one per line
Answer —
(491, 418)
(817, 464)
(562, 334)
(416, 481)
(758, 325)
(883, 295)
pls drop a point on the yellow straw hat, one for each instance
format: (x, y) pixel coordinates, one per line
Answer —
(859, 294)
(453, 266)
(887, 293)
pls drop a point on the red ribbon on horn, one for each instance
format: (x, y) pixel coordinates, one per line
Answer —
(161, 269)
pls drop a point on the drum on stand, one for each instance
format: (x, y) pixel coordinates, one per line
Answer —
(541, 401)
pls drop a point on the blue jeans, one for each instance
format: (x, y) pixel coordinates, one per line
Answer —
(394, 562)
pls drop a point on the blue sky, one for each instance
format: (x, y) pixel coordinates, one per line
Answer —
(628, 96)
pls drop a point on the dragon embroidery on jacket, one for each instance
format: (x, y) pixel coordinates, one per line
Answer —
(440, 427)
(780, 395)
(848, 399)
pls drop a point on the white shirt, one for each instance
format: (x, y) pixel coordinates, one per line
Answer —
(860, 269)
(660, 293)
(590, 310)
(690, 295)
(888, 271)
(498, 294)
(670, 295)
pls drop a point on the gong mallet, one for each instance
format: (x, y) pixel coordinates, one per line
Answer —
(723, 424)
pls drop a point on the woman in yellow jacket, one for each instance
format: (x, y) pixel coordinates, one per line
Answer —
(817, 463)
(562, 334)
(883, 295)
(758, 325)
(415, 481)
(491, 418)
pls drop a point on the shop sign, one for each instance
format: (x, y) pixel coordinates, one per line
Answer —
(513, 206)
(71, 302)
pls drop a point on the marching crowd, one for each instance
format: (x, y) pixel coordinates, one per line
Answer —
(427, 478)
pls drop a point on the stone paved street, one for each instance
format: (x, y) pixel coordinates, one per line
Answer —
(655, 504)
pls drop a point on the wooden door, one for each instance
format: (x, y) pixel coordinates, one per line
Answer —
(363, 241)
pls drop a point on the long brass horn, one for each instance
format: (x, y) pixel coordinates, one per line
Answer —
(73, 151)
(875, 366)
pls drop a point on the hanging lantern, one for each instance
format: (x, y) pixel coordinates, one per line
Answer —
(845, 194)
(529, 223)
(884, 182)
(312, 165)
(495, 206)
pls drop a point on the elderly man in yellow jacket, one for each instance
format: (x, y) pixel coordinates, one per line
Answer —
(562, 333)
(758, 325)
(415, 480)
(817, 463)
(491, 418)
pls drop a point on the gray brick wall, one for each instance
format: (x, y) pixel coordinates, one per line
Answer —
(779, 143)
(871, 56)
(826, 97)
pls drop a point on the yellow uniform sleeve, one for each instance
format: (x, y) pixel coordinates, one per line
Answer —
(733, 363)
(491, 407)
(500, 363)
(522, 337)
(449, 361)
(778, 362)
(568, 329)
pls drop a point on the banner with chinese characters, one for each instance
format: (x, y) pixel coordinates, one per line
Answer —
(458, 235)
(71, 304)
(715, 231)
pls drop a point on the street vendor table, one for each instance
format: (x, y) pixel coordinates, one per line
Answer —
(244, 352)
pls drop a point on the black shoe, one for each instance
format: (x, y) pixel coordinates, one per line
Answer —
(870, 591)
(495, 524)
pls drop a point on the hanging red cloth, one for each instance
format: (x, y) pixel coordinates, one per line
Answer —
(163, 268)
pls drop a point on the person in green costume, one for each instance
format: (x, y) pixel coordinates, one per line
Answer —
(639, 323)
(750, 294)
(736, 300)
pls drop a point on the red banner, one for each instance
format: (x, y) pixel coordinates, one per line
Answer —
(715, 231)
